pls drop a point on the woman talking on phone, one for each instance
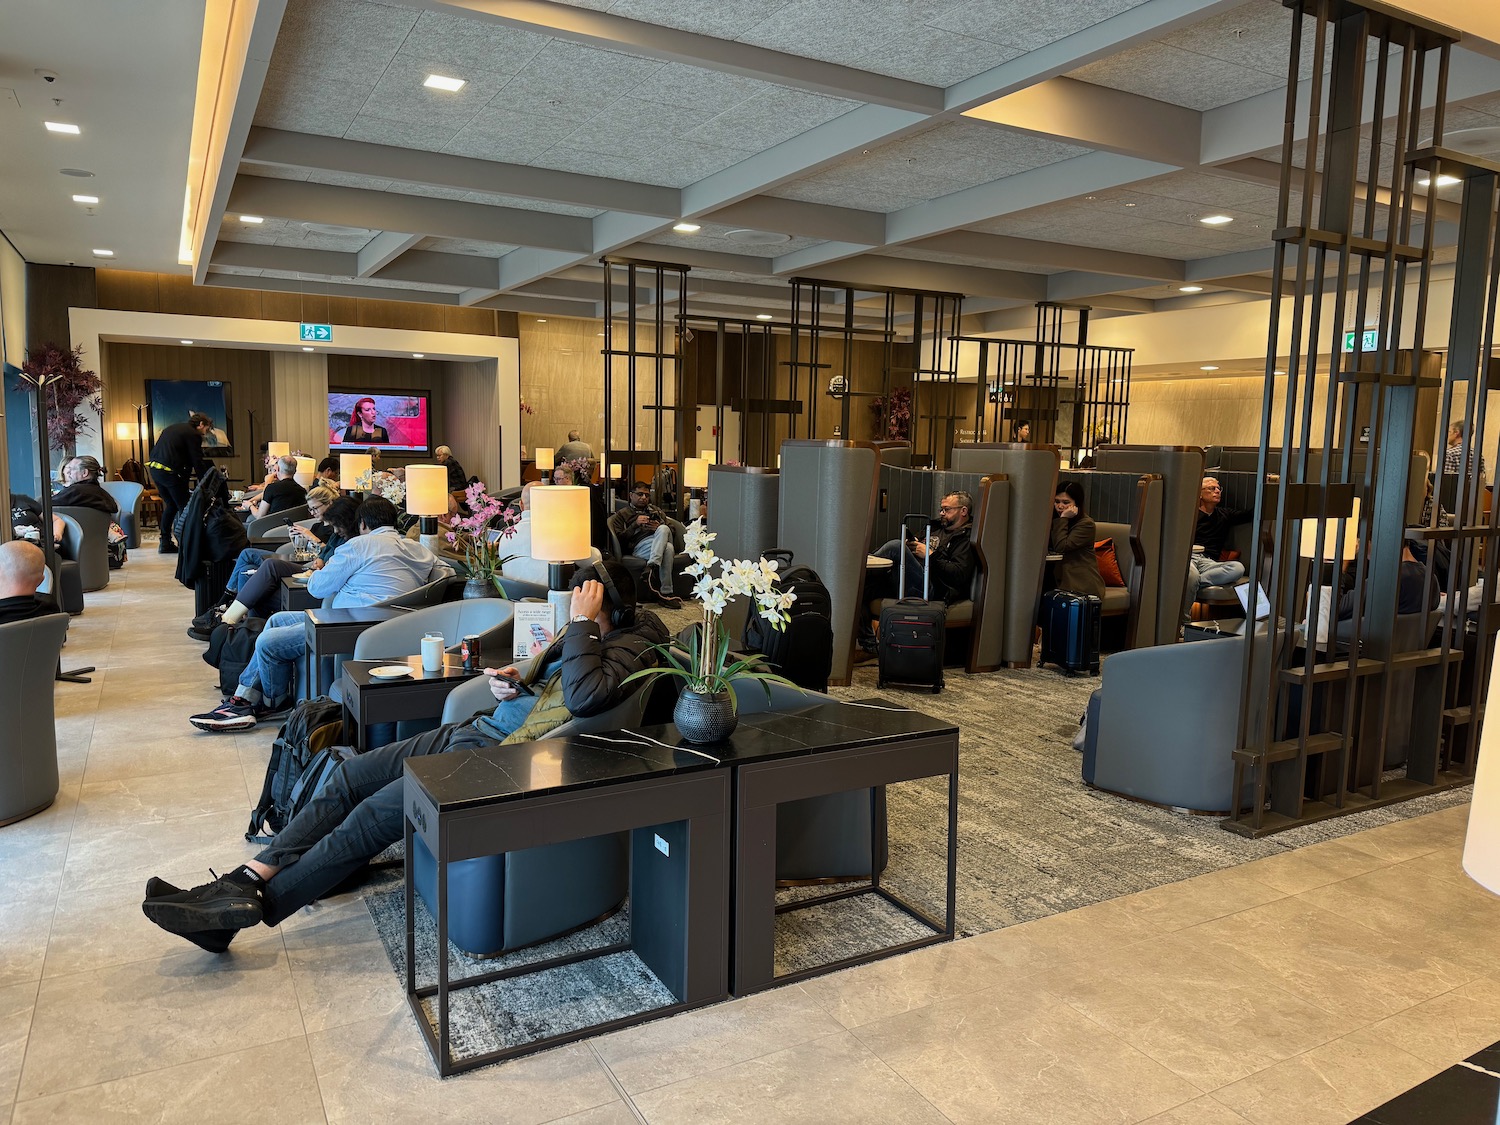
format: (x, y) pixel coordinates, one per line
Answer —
(1072, 536)
(362, 428)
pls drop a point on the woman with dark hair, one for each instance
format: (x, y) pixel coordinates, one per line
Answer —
(260, 594)
(81, 487)
(362, 428)
(1073, 538)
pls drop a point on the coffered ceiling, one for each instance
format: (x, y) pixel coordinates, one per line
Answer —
(1012, 151)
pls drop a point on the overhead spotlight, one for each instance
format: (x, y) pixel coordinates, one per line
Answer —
(438, 82)
(187, 342)
(309, 349)
(1442, 181)
(62, 127)
(253, 219)
(103, 253)
(1208, 367)
(686, 228)
(1216, 220)
(419, 355)
(1190, 289)
(86, 199)
(764, 316)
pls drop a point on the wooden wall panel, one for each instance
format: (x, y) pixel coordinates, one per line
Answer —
(126, 367)
(470, 422)
(50, 292)
(562, 380)
(300, 401)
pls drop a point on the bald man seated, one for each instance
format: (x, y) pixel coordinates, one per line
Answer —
(22, 566)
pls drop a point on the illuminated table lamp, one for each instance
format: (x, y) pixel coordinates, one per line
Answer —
(278, 448)
(559, 536)
(1327, 552)
(427, 498)
(544, 458)
(307, 472)
(695, 480)
(353, 467)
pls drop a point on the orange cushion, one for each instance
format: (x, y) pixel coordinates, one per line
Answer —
(1109, 565)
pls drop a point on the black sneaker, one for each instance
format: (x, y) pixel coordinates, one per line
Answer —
(231, 715)
(278, 710)
(166, 549)
(231, 902)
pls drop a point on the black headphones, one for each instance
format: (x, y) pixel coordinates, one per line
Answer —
(621, 616)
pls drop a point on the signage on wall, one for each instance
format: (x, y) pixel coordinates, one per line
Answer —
(1369, 340)
(318, 333)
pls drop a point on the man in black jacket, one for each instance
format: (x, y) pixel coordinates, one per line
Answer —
(359, 814)
(81, 488)
(22, 566)
(953, 562)
(175, 457)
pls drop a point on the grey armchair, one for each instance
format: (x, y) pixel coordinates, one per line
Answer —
(272, 529)
(69, 593)
(28, 764)
(93, 549)
(130, 496)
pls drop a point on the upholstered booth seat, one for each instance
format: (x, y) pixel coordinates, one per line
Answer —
(1164, 724)
(1117, 599)
(92, 550)
(28, 758)
(130, 496)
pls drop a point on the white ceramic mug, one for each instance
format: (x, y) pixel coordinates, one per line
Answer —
(432, 652)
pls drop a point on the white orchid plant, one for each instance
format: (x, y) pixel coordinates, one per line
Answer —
(705, 661)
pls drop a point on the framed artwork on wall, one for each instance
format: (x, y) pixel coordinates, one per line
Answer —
(172, 400)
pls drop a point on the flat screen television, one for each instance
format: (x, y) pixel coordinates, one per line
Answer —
(394, 420)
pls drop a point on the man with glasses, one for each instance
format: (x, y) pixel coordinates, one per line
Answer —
(951, 569)
(1215, 524)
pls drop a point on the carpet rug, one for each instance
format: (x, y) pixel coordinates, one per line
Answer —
(1033, 841)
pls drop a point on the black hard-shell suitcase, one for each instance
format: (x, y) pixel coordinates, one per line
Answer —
(1070, 631)
(912, 632)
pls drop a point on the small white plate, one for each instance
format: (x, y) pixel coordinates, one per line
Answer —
(390, 671)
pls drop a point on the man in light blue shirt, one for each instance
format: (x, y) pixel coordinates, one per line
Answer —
(376, 565)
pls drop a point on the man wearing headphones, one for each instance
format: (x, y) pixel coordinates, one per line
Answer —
(358, 815)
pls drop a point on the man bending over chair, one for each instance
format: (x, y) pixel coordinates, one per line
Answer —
(377, 564)
(358, 815)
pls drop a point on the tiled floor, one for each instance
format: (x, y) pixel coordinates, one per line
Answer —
(1307, 988)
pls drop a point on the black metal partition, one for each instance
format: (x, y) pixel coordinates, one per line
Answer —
(1352, 262)
(642, 381)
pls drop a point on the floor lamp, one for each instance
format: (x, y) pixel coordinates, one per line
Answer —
(559, 536)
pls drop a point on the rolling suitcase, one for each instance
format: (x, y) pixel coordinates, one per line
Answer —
(1070, 631)
(911, 633)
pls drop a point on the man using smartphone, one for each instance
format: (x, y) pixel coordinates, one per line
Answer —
(359, 814)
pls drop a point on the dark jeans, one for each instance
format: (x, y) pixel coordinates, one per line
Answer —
(173, 489)
(261, 592)
(352, 821)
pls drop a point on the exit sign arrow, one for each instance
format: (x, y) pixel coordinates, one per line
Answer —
(318, 333)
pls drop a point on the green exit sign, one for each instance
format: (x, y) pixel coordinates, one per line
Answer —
(1368, 340)
(318, 333)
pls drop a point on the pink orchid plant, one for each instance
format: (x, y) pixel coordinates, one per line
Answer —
(471, 533)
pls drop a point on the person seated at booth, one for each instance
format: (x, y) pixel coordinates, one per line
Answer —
(1216, 522)
(951, 571)
(359, 814)
(378, 564)
(81, 487)
(458, 480)
(1072, 536)
(328, 472)
(1414, 592)
(22, 568)
(645, 532)
(282, 493)
(26, 520)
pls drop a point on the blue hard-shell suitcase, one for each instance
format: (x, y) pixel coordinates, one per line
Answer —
(1070, 631)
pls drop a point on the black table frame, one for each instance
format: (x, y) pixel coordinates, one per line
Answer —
(761, 786)
(701, 798)
(390, 701)
(326, 638)
(295, 596)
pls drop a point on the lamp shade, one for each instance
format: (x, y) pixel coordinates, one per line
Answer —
(695, 473)
(560, 523)
(544, 458)
(616, 471)
(125, 431)
(352, 466)
(710, 456)
(278, 448)
(307, 471)
(427, 490)
(1311, 549)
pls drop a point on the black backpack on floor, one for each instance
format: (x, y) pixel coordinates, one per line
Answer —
(230, 648)
(303, 757)
(803, 651)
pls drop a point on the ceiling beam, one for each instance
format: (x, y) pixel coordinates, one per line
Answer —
(465, 271)
(383, 210)
(804, 220)
(1056, 255)
(330, 288)
(1066, 109)
(1258, 170)
(277, 148)
(384, 249)
(616, 33)
(537, 306)
(934, 277)
(292, 259)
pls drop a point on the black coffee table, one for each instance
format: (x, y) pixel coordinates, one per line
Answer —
(369, 700)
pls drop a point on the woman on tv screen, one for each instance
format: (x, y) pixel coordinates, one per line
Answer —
(362, 428)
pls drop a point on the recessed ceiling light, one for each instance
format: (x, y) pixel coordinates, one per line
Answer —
(1208, 367)
(252, 219)
(85, 199)
(764, 316)
(541, 320)
(418, 355)
(686, 228)
(308, 349)
(188, 342)
(103, 253)
(1442, 181)
(62, 127)
(438, 82)
(1190, 289)
(1278, 373)
(1216, 220)
(79, 173)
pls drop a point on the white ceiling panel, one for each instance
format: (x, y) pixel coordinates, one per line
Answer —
(474, 50)
(1028, 26)
(1170, 74)
(934, 56)
(774, 114)
(465, 246)
(337, 38)
(723, 19)
(308, 103)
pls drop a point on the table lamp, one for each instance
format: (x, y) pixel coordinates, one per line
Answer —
(353, 467)
(544, 462)
(695, 480)
(1327, 551)
(710, 456)
(307, 471)
(427, 498)
(278, 448)
(559, 535)
(616, 471)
